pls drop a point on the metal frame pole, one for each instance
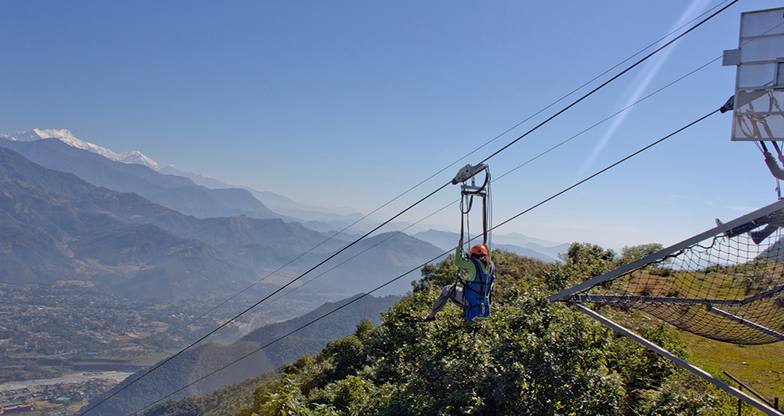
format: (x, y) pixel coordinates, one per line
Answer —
(681, 362)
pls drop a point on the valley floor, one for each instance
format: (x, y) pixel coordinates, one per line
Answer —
(80, 377)
(60, 395)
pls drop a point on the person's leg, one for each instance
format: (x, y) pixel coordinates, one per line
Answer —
(776, 218)
(741, 229)
(758, 236)
(440, 303)
(459, 297)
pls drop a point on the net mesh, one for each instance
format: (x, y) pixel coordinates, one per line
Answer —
(727, 287)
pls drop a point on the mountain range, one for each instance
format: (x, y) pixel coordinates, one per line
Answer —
(515, 243)
(56, 226)
(133, 226)
(216, 198)
(175, 192)
(66, 137)
(189, 193)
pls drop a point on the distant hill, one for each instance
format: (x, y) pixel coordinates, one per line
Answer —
(200, 361)
(515, 243)
(54, 226)
(315, 218)
(175, 192)
(188, 193)
(526, 252)
(381, 258)
(773, 253)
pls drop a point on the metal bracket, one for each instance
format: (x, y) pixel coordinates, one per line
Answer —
(468, 172)
(472, 190)
(731, 57)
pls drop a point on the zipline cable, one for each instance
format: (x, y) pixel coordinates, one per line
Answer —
(442, 170)
(565, 190)
(532, 159)
(365, 250)
(577, 101)
(521, 165)
(416, 203)
(607, 118)
(265, 298)
(608, 81)
(528, 161)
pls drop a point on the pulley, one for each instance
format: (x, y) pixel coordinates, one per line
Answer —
(468, 191)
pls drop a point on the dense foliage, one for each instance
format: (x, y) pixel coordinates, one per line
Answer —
(530, 358)
(211, 366)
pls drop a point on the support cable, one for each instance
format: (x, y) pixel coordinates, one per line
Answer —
(608, 118)
(613, 165)
(465, 156)
(608, 167)
(265, 298)
(449, 166)
(608, 81)
(461, 200)
(431, 194)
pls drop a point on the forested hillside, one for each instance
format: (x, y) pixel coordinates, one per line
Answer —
(195, 371)
(530, 358)
(55, 226)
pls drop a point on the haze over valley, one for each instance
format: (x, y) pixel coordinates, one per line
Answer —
(113, 263)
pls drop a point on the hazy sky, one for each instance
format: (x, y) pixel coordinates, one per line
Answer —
(350, 103)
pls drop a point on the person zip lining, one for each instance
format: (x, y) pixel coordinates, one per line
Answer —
(472, 294)
(478, 264)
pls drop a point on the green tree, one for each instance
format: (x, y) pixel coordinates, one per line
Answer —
(583, 261)
(631, 254)
(442, 274)
(531, 357)
(286, 400)
(174, 408)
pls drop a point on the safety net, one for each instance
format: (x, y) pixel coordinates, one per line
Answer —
(725, 284)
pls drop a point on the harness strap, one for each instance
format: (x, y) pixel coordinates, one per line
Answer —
(462, 226)
(484, 218)
(482, 293)
(778, 150)
(467, 286)
(486, 279)
(454, 287)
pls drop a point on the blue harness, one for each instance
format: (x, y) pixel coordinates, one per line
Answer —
(477, 293)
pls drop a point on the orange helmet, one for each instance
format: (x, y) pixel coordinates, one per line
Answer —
(479, 250)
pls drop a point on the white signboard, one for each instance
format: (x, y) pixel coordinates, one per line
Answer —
(759, 87)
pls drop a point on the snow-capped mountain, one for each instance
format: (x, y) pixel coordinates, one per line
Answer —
(66, 137)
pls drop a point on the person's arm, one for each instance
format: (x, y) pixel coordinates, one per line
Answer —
(773, 165)
(461, 261)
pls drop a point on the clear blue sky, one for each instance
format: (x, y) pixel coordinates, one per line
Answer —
(349, 103)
